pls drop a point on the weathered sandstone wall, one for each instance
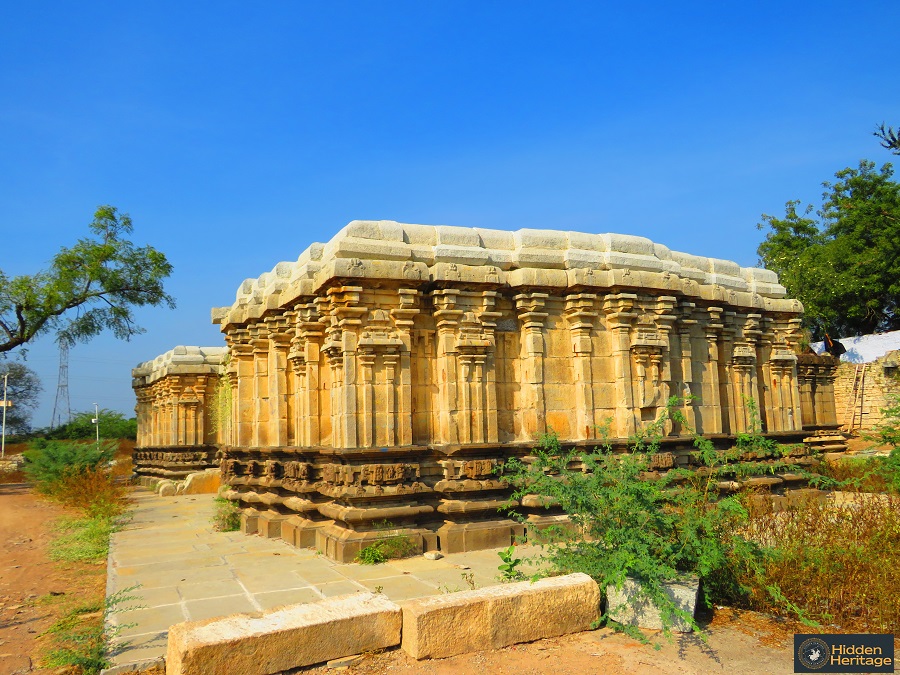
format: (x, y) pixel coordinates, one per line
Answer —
(384, 375)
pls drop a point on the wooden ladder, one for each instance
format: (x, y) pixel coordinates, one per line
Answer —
(856, 396)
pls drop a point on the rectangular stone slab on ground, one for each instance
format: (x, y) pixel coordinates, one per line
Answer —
(283, 638)
(498, 616)
(625, 606)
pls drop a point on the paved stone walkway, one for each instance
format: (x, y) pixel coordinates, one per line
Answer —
(179, 569)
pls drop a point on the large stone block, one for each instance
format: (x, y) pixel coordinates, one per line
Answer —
(284, 638)
(626, 605)
(460, 537)
(203, 482)
(497, 616)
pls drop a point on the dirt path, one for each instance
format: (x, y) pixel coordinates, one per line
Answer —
(33, 588)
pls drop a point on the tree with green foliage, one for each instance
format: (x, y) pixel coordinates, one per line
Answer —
(890, 139)
(23, 389)
(92, 286)
(841, 260)
(112, 425)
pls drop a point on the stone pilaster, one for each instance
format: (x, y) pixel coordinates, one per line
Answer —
(280, 331)
(404, 318)
(713, 406)
(529, 307)
(259, 343)
(580, 312)
(447, 316)
(686, 351)
(618, 310)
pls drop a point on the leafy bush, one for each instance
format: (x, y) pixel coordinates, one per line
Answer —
(48, 462)
(888, 432)
(226, 515)
(637, 523)
(863, 474)
(871, 473)
(632, 525)
(77, 475)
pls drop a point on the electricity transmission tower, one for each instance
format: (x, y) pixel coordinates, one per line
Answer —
(61, 406)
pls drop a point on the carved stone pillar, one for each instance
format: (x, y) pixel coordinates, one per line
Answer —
(242, 370)
(713, 407)
(279, 330)
(487, 367)
(447, 319)
(743, 384)
(345, 313)
(783, 369)
(619, 315)
(580, 313)
(529, 306)
(731, 398)
(389, 433)
(404, 316)
(304, 355)
(259, 341)
(686, 351)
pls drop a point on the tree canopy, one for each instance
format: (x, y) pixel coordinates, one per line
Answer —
(90, 287)
(23, 389)
(890, 139)
(112, 425)
(840, 261)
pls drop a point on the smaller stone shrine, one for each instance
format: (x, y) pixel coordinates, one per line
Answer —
(175, 399)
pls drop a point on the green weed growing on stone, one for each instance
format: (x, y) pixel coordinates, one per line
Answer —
(226, 515)
(85, 638)
(509, 565)
(393, 545)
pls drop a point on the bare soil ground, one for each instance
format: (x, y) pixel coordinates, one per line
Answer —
(34, 590)
(738, 642)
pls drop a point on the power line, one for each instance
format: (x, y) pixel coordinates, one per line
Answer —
(62, 406)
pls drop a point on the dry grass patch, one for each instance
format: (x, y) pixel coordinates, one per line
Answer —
(835, 561)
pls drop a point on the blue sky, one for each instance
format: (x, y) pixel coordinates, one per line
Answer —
(235, 134)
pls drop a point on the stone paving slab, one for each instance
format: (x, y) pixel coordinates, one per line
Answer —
(179, 569)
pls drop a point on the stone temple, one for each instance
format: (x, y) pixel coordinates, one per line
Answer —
(378, 381)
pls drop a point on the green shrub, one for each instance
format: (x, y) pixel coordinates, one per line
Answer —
(888, 432)
(49, 462)
(226, 515)
(632, 522)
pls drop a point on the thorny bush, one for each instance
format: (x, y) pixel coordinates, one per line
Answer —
(632, 522)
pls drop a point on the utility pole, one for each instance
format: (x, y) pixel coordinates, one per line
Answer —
(5, 406)
(61, 406)
(96, 421)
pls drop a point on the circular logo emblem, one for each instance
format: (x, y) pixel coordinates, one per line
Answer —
(813, 653)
